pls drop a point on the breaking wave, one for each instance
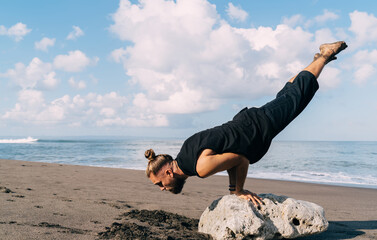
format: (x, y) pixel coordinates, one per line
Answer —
(20, 140)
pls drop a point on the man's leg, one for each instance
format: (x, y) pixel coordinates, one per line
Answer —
(298, 92)
(316, 56)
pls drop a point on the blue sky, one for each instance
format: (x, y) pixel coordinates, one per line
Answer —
(159, 68)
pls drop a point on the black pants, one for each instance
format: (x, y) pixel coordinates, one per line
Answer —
(290, 101)
(260, 125)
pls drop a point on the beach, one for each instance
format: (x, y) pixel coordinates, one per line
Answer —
(58, 201)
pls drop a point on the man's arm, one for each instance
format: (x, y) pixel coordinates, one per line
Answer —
(232, 177)
(237, 165)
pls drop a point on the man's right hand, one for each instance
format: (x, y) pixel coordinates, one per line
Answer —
(250, 196)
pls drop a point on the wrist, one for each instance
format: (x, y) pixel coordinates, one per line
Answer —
(237, 191)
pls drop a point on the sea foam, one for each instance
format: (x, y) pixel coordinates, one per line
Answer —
(20, 140)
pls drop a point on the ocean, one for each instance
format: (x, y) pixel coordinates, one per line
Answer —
(335, 163)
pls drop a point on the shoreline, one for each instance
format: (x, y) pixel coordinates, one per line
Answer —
(61, 201)
(335, 184)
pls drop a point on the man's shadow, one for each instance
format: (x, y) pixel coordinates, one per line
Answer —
(344, 230)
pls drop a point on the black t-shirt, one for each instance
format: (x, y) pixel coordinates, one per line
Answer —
(251, 131)
(243, 135)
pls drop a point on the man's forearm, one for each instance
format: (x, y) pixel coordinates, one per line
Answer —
(241, 174)
(237, 175)
(232, 178)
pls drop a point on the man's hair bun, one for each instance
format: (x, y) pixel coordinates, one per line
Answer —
(150, 155)
(156, 162)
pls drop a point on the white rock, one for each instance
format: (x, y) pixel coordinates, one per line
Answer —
(230, 217)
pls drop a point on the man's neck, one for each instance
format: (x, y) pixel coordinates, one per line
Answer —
(177, 170)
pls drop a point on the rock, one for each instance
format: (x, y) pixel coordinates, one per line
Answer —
(5, 190)
(230, 217)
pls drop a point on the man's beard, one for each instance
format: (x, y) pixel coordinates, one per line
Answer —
(178, 184)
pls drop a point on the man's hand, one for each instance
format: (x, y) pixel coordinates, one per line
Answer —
(245, 194)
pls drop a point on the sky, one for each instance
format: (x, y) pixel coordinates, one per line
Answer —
(168, 69)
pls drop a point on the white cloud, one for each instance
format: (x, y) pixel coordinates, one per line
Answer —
(36, 75)
(119, 54)
(262, 37)
(77, 85)
(90, 110)
(364, 72)
(269, 70)
(141, 114)
(185, 66)
(324, 35)
(75, 61)
(341, 33)
(101, 110)
(294, 67)
(31, 108)
(364, 27)
(176, 103)
(294, 20)
(107, 112)
(321, 19)
(326, 16)
(31, 98)
(195, 17)
(364, 64)
(44, 44)
(17, 31)
(41, 75)
(77, 32)
(236, 13)
(50, 80)
(141, 120)
(185, 59)
(330, 78)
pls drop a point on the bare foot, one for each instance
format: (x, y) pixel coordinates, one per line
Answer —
(329, 50)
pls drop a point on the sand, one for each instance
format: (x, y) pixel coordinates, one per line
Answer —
(55, 201)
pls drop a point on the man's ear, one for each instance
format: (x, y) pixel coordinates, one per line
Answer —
(169, 172)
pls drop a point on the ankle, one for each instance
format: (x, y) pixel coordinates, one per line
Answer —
(324, 59)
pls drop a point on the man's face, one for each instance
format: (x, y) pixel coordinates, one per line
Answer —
(165, 179)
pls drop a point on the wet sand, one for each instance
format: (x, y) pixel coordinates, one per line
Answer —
(55, 201)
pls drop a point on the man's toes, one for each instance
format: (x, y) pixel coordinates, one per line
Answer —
(343, 46)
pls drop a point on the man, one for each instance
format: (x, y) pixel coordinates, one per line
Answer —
(242, 141)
